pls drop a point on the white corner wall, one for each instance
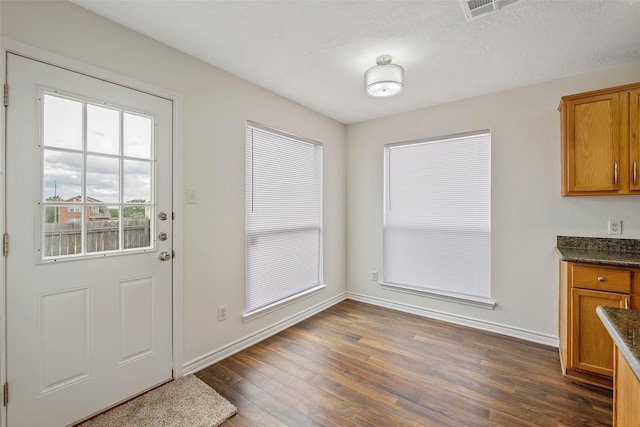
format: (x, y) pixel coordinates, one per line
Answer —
(216, 106)
(527, 210)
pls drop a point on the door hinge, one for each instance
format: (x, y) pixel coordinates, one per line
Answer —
(6, 94)
(173, 215)
(5, 244)
(6, 394)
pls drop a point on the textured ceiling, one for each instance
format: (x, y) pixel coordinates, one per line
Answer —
(315, 52)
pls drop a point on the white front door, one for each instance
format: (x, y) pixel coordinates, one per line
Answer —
(89, 301)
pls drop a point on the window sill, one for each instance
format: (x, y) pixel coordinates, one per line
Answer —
(282, 303)
(444, 296)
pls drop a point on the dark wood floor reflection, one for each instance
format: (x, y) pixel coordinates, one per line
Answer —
(360, 365)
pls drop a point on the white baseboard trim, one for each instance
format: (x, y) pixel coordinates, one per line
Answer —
(212, 357)
(511, 331)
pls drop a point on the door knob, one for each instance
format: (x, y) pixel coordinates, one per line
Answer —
(164, 256)
(163, 236)
(163, 216)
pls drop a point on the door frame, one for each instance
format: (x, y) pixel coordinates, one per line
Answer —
(13, 46)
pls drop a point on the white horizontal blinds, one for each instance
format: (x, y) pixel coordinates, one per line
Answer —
(283, 216)
(437, 229)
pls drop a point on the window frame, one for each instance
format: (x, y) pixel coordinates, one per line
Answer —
(84, 202)
(424, 291)
(277, 304)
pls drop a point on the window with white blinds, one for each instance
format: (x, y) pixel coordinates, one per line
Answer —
(437, 216)
(283, 216)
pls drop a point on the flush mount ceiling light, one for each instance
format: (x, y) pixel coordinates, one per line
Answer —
(385, 79)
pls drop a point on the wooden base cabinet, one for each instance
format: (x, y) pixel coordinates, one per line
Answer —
(592, 344)
(586, 348)
(626, 394)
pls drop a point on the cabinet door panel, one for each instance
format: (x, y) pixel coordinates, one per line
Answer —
(592, 348)
(634, 140)
(593, 152)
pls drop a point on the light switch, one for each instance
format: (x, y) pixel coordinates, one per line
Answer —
(192, 195)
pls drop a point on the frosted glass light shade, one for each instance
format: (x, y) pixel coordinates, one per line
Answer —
(385, 79)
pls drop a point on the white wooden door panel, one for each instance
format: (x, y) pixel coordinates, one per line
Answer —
(64, 333)
(136, 318)
(89, 302)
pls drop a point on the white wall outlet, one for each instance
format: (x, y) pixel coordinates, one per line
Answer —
(192, 195)
(222, 313)
(374, 276)
(615, 226)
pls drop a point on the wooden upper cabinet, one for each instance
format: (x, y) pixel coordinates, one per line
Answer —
(634, 139)
(599, 132)
(593, 154)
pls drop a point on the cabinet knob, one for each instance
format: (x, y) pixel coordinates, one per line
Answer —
(600, 279)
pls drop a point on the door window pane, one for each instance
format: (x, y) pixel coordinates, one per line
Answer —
(103, 179)
(62, 231)
(103, 130)
(137, 136)
(62, 176)
(103, 232)
(137, 181)
(62, 122)
(136, 226)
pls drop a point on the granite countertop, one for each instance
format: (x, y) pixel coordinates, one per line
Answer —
(624, 327)
(599, 250)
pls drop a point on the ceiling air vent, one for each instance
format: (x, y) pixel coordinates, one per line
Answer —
(476, 8)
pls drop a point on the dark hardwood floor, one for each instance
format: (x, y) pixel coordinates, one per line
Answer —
(360, 365)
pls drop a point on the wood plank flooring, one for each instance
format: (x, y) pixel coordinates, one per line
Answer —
(356, 364)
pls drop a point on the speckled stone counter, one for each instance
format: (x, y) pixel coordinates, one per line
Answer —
(624, 328)
(599, 250)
